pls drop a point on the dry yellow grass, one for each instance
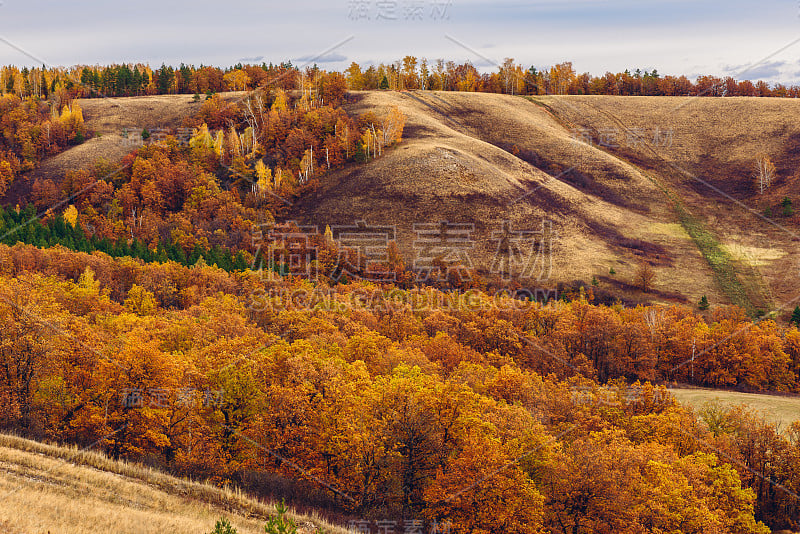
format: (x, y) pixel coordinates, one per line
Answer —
(486, 159)
(708, 160)
(776, 409)
(46, 488)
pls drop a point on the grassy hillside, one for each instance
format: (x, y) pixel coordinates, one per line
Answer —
(46, 488)
(486, 159)
(703, 150)
(666, 180)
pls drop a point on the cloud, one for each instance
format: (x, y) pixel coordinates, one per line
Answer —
(256, 59)
(761, 71)
(325, 58)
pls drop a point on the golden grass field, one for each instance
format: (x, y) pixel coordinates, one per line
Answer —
(709, 164)
(775, 409)
(46, 488)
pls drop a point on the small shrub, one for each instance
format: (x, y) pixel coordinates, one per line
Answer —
(223, 526)
(788, 210)
(703, 304)
(280, 524)
(612, 272)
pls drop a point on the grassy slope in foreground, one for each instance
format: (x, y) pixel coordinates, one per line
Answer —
(775, 409)
(46, 488)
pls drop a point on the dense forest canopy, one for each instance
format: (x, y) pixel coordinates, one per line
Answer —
(392, 406)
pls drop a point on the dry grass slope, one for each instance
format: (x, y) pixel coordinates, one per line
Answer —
(486, 159)
(47, 488)
(708, 163)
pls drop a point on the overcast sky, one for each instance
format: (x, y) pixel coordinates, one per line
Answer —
(676, 36)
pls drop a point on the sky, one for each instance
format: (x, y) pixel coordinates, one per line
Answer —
(744, 39)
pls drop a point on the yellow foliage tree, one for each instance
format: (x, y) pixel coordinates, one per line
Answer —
(140, 301)
(219, 144)
(263, 177)
(71, 216)
(466, 495)
(306, 166)
(6, 176)
(201, 138)
(368, 140)
(72, 118)
(237, 80)
(280, 103)
(392, 126)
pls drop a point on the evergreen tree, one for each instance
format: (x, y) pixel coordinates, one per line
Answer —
(197, 253)
(795, 316)
(223, 526)
(240, 263)
(43, 88)
(161, 254)
(165, 77)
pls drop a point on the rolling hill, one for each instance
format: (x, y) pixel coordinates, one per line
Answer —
(591, 166)
(622, 180)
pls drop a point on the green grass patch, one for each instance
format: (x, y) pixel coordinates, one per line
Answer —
(718, 258)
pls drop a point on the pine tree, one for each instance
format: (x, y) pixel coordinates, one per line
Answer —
(795, 316)
(788, 211)
(280, 523)
(43, 89)
(240, 263)
(703, 304)
(223, 526)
